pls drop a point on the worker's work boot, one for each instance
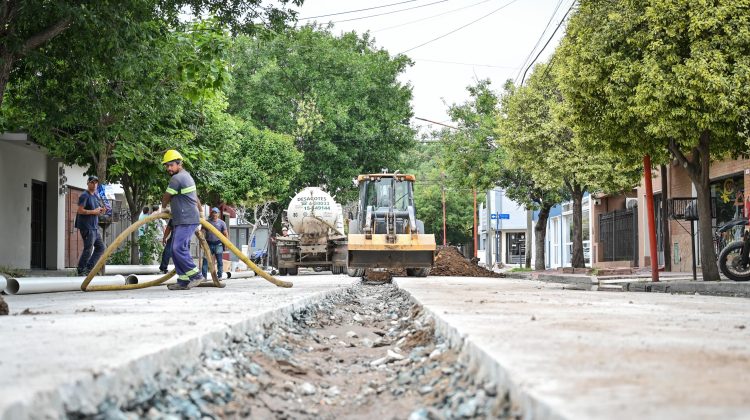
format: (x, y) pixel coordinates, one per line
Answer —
(182, 285)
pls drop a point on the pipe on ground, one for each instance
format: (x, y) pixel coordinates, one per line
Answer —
(4, 283)
(240, 274)
(133, 269)
(29, 285)
(85, 285)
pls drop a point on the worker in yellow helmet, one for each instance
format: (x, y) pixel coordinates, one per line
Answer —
(186, 212)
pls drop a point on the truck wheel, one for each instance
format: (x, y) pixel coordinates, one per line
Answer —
(282, 271)
(292, 271)
(417, 272)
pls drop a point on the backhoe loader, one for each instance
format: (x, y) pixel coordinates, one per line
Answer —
(385, 233)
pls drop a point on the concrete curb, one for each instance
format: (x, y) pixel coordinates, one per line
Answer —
(85, 393)
(524, 403)
(642, 283)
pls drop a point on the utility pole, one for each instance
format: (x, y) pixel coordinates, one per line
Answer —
(445, 242)
(651, 218)
(476, 251)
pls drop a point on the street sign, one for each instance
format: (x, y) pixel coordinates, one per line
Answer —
(493, 216)
(504, 215)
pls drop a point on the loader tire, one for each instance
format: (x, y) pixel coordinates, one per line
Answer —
(417, 272)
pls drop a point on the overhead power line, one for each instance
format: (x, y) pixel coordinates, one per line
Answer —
(435, 122)
(358, 10)
(549, 40)
(430, 17)
(391, 12)
(459, 28)
(549, 22)
(464, 64)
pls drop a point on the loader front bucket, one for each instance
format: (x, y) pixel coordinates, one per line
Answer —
(408, 251)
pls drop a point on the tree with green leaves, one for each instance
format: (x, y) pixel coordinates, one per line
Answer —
(28, 26)
(338, 96)
(474, 158)
(536, 136)
(667, 79)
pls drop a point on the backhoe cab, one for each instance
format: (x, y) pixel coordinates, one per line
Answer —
(385, 232)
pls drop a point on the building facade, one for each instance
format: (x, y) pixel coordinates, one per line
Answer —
(502, 229)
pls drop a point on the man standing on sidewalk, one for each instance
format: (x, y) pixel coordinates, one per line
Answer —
(214, 244)
(186, 208)
(87, 222)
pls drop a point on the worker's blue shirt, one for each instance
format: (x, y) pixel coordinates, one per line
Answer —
(219, 225)
(87, 221)
(184, 201)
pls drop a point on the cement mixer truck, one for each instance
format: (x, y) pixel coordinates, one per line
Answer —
(315, 236)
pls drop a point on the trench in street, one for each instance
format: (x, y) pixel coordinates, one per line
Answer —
(367, 352)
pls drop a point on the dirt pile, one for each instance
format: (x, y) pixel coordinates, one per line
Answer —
(450, 262)
(3, 307)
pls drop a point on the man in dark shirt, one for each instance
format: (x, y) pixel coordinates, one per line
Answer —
(87, 222)
(186, 210)
(214, 244)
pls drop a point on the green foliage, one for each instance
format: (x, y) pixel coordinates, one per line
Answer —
(121, 256)
(149, 244)
(471, 153)
(639, 74)
(425, 163)
(520, 269)
(338, 96)
(8, 271)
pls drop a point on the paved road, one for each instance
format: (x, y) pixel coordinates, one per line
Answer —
(79, 346)
(596, 355)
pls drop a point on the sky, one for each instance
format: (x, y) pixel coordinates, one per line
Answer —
(494, 47)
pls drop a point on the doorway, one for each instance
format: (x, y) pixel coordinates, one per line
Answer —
(73, 241)
(38, 224)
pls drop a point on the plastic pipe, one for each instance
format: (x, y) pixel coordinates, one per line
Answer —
(141, 278)
(133, 269)
(240, 274)
(4, 283)
(28, 285)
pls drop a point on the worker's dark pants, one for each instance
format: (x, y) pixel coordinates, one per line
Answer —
(166, 255)
(183, 262)
(217, 250)
(92, 241)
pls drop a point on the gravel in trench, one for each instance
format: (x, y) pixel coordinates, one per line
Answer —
(366, 353)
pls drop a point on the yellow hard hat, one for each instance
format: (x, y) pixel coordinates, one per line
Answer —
(171, 155)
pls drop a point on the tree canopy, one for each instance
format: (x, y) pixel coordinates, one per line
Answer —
(338, 96)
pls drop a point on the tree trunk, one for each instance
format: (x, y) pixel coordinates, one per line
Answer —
(5, 68)
(698, 170)
(134, 208)
(540, 233)
(576, 193)
(529, 221)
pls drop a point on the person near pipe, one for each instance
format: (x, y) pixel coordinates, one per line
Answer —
(214, 244)
(87, 222)
(181, 193)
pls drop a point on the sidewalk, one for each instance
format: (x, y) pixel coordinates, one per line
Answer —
(80, 347)
(569, 354)
(669, 282)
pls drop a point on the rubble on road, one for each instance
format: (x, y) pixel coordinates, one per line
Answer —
(450, 262)
(4, 310)
(368, 352)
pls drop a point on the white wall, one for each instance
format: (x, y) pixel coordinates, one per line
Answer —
(18, 166)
